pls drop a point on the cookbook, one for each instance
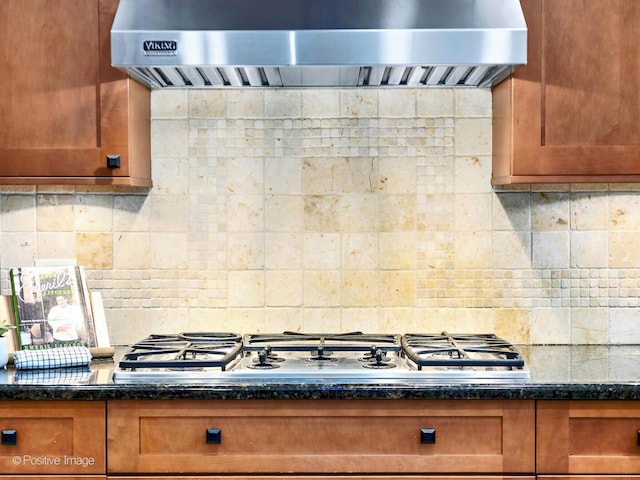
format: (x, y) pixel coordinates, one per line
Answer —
(52, 307)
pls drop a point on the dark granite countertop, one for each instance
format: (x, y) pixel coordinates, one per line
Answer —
(593, 372)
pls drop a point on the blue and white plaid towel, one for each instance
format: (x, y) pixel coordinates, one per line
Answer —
(52, 358)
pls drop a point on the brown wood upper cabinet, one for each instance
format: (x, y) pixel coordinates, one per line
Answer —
(571, 114)
(64, 108)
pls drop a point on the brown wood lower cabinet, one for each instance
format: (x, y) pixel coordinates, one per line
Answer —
(359, 437)
(52, 438)
(588, 437)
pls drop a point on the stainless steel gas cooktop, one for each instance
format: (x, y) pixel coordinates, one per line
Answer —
(346, 358)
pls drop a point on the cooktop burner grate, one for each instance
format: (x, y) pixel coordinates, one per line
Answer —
(461, 350)
(184, 350)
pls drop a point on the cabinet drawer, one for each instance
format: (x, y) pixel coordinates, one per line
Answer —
(320, 436)
(52, 437)
(599, 437)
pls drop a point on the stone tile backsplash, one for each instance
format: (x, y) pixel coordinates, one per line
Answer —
(339, 210)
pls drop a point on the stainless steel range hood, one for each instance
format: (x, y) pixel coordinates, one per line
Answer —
(318, 43)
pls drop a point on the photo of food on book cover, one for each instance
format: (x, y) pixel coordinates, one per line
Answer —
(52, 307)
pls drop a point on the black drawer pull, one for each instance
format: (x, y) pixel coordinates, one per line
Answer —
(9, 437)
(428, 435)
(214, 435)
(113, 161)
(638, 440)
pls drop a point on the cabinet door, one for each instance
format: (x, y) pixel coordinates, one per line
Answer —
(320, 436)
(588, 437)
(571, 114)
(52, 437)
(64, 108)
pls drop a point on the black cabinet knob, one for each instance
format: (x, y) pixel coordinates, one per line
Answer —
(113, 161)
(9, 437)
(428, 435)
(214, 435)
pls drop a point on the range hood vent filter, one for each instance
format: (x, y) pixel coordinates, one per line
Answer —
(318, 43)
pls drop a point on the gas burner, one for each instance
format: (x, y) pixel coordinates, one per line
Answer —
(377, 359)
(265, 360)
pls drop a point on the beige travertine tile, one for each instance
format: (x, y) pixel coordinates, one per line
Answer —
(472, 102)
(321, 251)
(93, 213)
(284, 213)
(359, 288)
(624, 326)
(283, 250)
(590, 249)
(551, 325)
(18, 213)
(472, 174)
(245, 213)
(132, 250)
(95, 250)
(246, 251)
(397, 288)
(55, 213)
(18, 250)
(207, 103)
(359, 213)
(245, 103)
(359, 250)
(397, 250)
(321, 288)
(246, 288)
(397, 213)
(169, 138)
(435, 103)
(398, 175)
(473, 212)
(169, 103)
(360, 319)
(170, 176)
(624, 249)
(283, 319)
(511, 211)
(282, 103)
(169, 251)
(131, 213)
(169, 213)
(321, 213)
(511, 249)
(550, 249)
(396, 103)
(245, 176)
(283, 175)
(589, 211)
(321, 175)
(472, 250)
(56, 245)
(473, 136)
(358, 103)
(243, 320)
(550, 211)
(624, 214)
(321, 320)
(283, 288)
(320, 103)
(590, 325)
(359, 174)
